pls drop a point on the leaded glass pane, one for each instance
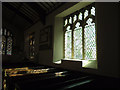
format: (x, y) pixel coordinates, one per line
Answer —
(75, 18)
(85, 13)
(1, 31)
(0, 41)
(5, 31)
(8, 33)
(32, 47)
(6, 42)
(9, 46)
(0, 47)
(83, 48)
(93, 11)
(3, 44)
(68, 43)
(32, 50)
(66, 22)
(70, 20)
(90, 40)
(78, 42)
(80, 16)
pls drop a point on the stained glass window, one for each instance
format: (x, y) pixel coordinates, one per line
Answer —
(66, 22)
(93, 11)
(80, 16)
(5, 32)
(0, 44)
(90, 40)
(75, 18)
(78, 42)
(9, 46)
(70, 20)
(68, 43)
(6, 42)
(0, 41)
(85, 13)
(32, 46)
(3, 45)
(80, 36)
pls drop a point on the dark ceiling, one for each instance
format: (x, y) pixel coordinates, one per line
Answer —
(24, 14)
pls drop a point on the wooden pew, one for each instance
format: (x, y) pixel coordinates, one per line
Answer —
(59, 79)
(55, 82)
(29, 77)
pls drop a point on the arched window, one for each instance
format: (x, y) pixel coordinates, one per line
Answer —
(68, 40)
(7, 42)
(3, 44)
(77, 33)
(32, 45)
(90, 39)
(80, 34)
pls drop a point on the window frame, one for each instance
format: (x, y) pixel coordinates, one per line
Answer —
(83, 24)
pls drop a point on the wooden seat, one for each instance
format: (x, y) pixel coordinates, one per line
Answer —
(59, 79)
(50, 82)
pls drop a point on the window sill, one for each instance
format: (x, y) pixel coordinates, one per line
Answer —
(79, 59)
(60, 61)
(85, 63)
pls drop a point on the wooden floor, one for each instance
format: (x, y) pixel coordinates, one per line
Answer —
(35, 77)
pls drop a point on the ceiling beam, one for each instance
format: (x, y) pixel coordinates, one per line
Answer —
(53, 3)
(37, 8)
(48, 4)
(17, 12)
(56, 6)
(43, 5)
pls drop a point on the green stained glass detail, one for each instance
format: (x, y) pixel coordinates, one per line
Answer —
(9, 46)
(90, 40)
(85, 13)
(68, 43)
(93, 11)
(78, 42)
